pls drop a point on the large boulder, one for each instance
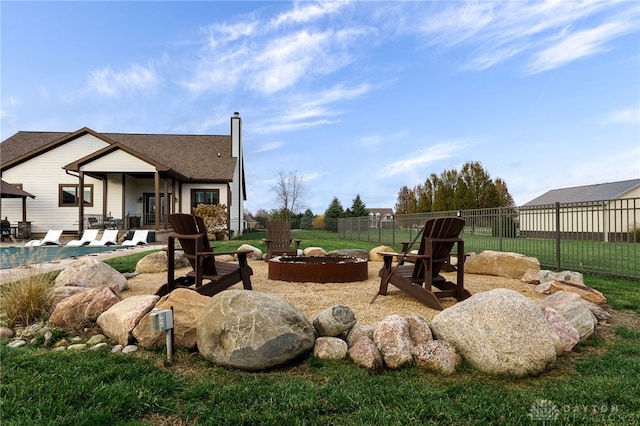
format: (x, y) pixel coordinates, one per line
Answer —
(574, 309)
(498, 332)
(500, 264)
(254, 252)
(334, 321)
(91, 272)
(118, 322)
(393, 339)
(85, 307)
(563, 328)
(157, 262)
(374, 253)
(187, 308)
(587, 293)
(330, 348)
(314, 251)
(366, 354)
(357, 253)
(419, 329)
(252, 331)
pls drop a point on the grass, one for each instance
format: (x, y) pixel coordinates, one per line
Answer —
(594, 385)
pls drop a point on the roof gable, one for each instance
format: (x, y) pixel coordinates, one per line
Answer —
(586, 193)
(194, 157)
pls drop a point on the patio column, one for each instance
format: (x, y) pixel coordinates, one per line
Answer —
(156, 184)
(80, 203)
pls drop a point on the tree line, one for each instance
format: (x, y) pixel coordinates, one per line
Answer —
(469, 188)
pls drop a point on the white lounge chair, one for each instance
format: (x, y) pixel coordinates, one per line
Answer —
(139, 238)
(87, 236)
(51, 239)
(109, 238)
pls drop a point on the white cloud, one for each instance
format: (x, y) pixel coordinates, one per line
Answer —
(624, 116)
(546, 34)
(419, 158)
(269, 146)
(107, 82)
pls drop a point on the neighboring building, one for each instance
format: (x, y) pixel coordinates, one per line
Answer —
(601, 212)
(128, 180)
(380, 218)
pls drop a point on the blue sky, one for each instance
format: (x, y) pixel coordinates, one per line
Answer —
(355, 97)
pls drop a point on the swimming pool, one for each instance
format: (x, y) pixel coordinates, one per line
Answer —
(13, 257)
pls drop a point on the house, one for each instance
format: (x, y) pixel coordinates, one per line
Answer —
(601, 212)
(381, 217)
(128, 180)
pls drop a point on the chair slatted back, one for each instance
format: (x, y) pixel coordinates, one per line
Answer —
(279, 233)
(193, 226)
(439, 236)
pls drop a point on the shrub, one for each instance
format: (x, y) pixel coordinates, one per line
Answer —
(215, 219)
(26, 301)
(509, 228)
(634, 233)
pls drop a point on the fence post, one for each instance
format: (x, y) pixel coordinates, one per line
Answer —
(558, 240)
(499, 228)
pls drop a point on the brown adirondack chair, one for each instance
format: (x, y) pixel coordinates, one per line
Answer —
(419, 278)
(208, 276)
(279, 240)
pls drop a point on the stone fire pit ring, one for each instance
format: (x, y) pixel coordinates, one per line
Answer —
(318, 269)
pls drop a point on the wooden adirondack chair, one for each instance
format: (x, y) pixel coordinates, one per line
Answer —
(279, 240)
(419, 278)
(191, 232)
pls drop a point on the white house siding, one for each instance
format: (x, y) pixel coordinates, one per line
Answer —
(118, 161)
(43, 211)
(185, 198)
(114, 207)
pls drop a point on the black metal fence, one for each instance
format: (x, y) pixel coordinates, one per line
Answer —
(596, 237)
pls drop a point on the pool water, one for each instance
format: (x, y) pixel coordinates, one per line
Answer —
(13, 257)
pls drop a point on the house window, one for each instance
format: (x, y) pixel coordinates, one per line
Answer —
(204, 196)
(69, 196)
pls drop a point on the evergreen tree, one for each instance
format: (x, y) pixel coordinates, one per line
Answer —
(406, 201)
(358, 208)
(331, 215)
(307, 220)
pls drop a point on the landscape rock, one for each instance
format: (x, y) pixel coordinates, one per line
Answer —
(6, 333)
(437, 356)
(314, 251)
(252, 331)
(119, 321)
(158, 262)
(84, 307)
(61, 293)
(419, 329)
(374, 255)
(366, 354)
(587, 293)
(393, 340)
(330, 348)
(501, 264)
(356, 253)
(563, 328)
(573, 309)
(498, 332)
(334, 321)
(601, 315)
(358, 331)
(92, 273)
(255, 253)
(531, 276)
(187, 308)
(545, 276)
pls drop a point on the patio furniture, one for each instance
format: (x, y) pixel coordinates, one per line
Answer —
(419, 279)
(208, 276)
(87, 236)
(52, 238)
(279, 240)
(109, 238)
(139, 238)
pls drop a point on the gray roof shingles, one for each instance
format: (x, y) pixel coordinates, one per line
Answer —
(586, 193)
(193, 156)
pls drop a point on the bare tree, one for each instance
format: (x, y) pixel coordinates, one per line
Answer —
(289, 189)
